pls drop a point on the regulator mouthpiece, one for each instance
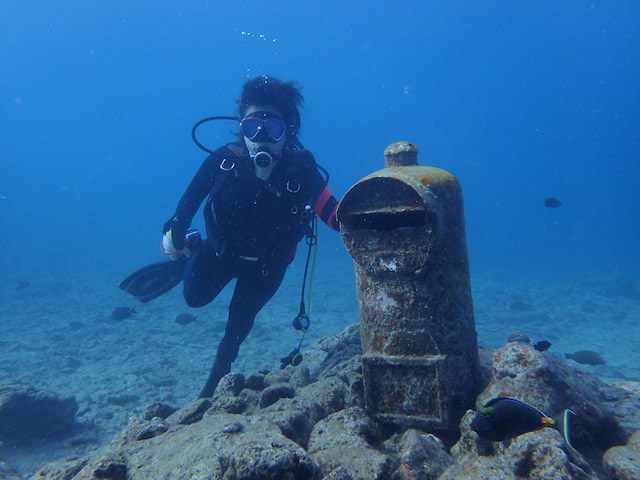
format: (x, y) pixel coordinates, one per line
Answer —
(262, 159)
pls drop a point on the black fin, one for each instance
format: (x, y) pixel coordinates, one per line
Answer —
(154, 280)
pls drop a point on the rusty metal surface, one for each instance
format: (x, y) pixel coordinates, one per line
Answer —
(401, 154)
(404, 227)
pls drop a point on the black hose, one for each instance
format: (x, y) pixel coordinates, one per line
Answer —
(204, 120)
(296, 143)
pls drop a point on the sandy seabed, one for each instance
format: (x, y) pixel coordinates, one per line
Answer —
(57, 334)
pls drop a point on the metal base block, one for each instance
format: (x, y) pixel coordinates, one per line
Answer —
(409, 392)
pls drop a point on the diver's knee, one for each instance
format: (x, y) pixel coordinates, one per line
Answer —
(195, 301)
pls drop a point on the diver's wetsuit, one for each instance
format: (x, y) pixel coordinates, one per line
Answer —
(253, 228)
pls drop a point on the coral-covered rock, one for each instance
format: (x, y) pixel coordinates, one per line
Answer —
(157, 409)
(550, 384)
(623, 463)
(8, 473)
(28, 414)
(296, 417)
(331, 393)
(349, 438)
(230, 385)
(61, 470)
(422, 457)
(323, 433)
(537, 455)
(275, 392)
(210, 450)
(624, 398)
(339, 473)
(191, 413)
(154, 427)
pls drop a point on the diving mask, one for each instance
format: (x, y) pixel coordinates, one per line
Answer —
(263, 127)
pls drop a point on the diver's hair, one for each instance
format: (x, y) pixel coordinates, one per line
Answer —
(268, 90)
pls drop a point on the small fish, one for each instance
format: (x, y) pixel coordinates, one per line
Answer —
(185, 318)
(552, 202)
(542, 345)
(586, 357)
(503, 418)
(122, 313)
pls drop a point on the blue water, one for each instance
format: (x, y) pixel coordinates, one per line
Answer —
(520, 100)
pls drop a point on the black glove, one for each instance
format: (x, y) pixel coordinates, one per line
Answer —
(178, 231)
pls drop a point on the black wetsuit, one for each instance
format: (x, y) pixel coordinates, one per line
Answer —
(253, 228)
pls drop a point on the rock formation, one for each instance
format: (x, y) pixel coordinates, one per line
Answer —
(308, 422)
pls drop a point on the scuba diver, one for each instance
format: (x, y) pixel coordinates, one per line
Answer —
(264, 192)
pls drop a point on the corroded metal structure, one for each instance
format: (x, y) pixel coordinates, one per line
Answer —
(404, 228)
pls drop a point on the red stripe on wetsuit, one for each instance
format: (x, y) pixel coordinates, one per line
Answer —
(326, 207)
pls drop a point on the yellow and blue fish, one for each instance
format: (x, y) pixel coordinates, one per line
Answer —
(503, 418)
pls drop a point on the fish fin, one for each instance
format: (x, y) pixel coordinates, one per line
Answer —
(488, 407)
(562, 424)
(511, 399)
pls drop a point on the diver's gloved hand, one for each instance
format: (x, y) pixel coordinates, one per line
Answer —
(178, 230)
(169, 248)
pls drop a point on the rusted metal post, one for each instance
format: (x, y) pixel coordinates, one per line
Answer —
(404, 228)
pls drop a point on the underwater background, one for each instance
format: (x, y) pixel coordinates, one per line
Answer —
(522, 101)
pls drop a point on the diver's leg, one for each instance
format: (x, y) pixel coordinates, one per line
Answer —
(205, 276)
(253, 290)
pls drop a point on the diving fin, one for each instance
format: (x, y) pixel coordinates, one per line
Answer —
(154, 280)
